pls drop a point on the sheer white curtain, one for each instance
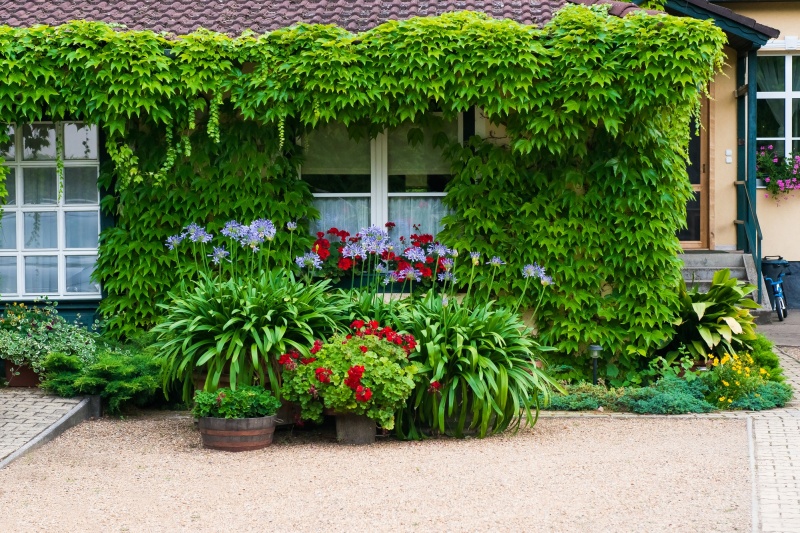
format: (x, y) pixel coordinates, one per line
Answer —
(426, 212)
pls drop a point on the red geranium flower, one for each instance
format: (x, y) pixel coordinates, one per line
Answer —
(323, 374)
(354, 375)
(357, 324)
(323, 253)
(317, 347)
(320, 234)
(363, 349)
(308, 360)
(434, 387)
(363, 394)
(345, 263)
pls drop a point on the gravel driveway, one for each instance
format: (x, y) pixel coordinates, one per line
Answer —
(149, 473)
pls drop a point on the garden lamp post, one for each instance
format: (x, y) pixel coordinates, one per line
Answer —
(594, 353)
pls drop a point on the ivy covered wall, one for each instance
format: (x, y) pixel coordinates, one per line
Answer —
(592, 184)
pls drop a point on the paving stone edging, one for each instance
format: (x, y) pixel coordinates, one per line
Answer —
(87, 408)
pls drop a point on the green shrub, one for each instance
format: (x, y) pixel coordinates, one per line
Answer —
(121, 378)
(477, 368)
(764, 357)
(243, 402)
(767, 395)
(241, 327)
(713, 322)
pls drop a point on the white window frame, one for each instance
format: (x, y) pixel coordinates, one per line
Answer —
(379, 179)
(61, 208)
(787, 95)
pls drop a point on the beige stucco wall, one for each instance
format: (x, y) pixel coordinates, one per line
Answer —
(722, 140)
(779, 221)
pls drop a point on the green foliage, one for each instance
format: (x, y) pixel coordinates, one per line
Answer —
(241, 327)
(767, 395)
(28, 334)
(477, 368)
(714, 322)
(244, 402)
(121, 378)
(761, 349)
(592, 184)
(364, 375)
(732, 377)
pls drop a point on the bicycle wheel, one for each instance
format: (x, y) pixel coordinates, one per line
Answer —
(780, 307)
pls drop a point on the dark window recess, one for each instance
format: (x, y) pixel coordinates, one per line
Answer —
(338, 183)
(418, 183)
(692, 231)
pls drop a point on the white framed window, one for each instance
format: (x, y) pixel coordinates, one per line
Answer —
(778, 103)
(358, 182)
(50, 224)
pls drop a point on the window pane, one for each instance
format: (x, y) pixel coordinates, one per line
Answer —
(40, 186)
(349, 214)
(338, 183)
(82, 229)
(772, 145)
(692, 232)
(80, 185)
(41, 274)
(39, 141)
(79, 274)
(770, 118)
(425, 156)
(330, 150)
(771, 74)
(80, 141)
(426, 213)
(11, 187)
(41, 230)
(419, 182)
(795, 73)
(795, 117)
(8, 275)
(8, 231)
(7, 148)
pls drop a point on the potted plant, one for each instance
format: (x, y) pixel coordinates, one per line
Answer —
(236, 420)
(28, 334)
(363, 378)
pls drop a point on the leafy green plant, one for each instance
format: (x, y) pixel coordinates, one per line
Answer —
(241, 327)
(767, 395)
(761, 349)
(121, 378)
(28, 334)
(477, 369)
(714, 322)
(244, 402)
(364, 373)
(732, 377)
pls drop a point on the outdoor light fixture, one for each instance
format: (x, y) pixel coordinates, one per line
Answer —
(594, 353)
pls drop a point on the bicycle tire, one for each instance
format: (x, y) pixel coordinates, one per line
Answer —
(780, 308)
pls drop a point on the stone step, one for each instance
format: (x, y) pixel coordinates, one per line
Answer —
(713, 260)
(706, 273)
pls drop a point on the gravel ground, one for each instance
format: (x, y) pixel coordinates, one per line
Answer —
(149, 473)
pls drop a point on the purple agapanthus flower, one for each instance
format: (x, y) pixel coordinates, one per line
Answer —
(174, 240)
(309, 260)
(415, 254)
(291, 226)
(446, 263)
(232, 229)
(532, 271)
(447, 276)
(264, 228)
(546, 280)
(439, 250)
(476, 258)
(496, 261)
(410, 274)
(218, 254)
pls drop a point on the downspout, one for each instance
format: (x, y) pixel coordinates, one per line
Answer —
(741, 150)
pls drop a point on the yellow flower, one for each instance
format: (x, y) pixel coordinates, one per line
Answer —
(730, 401)
(738, 384)
(725, 383)
(725, 359)
(722, 398)
(762, 371)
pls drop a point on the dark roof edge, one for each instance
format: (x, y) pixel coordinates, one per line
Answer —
(731, 15)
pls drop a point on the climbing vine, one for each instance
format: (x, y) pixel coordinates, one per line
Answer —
(591, 184)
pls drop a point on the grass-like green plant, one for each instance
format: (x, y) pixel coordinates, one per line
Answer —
(244, 402)
(714, 322)
(121, 378)
(477, 369)
(762, 351)
(240, 328)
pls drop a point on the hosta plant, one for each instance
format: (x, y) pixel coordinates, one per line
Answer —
(366, 372)
(714, 322)
(477, 369)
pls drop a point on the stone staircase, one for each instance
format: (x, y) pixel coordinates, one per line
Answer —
(699, 269)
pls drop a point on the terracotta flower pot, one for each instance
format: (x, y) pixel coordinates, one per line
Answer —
(20, 376)
(237, 434)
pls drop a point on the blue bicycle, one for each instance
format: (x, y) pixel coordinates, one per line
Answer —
(778, 298)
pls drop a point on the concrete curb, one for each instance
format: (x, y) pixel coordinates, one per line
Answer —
(755, 512)
(87, 408)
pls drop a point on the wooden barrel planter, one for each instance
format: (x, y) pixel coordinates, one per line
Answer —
(355, 429)
(20, 376)
(237, 434)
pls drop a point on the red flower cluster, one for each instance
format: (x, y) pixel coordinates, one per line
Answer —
(354, 375)
(363, 394)
(342, 234)
(322, 246)
(363, 349)
(324, 374)
(434, 387)
(289, 360)
(317, 347)
(407, 342)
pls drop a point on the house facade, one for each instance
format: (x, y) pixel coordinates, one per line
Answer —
(52, 219)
